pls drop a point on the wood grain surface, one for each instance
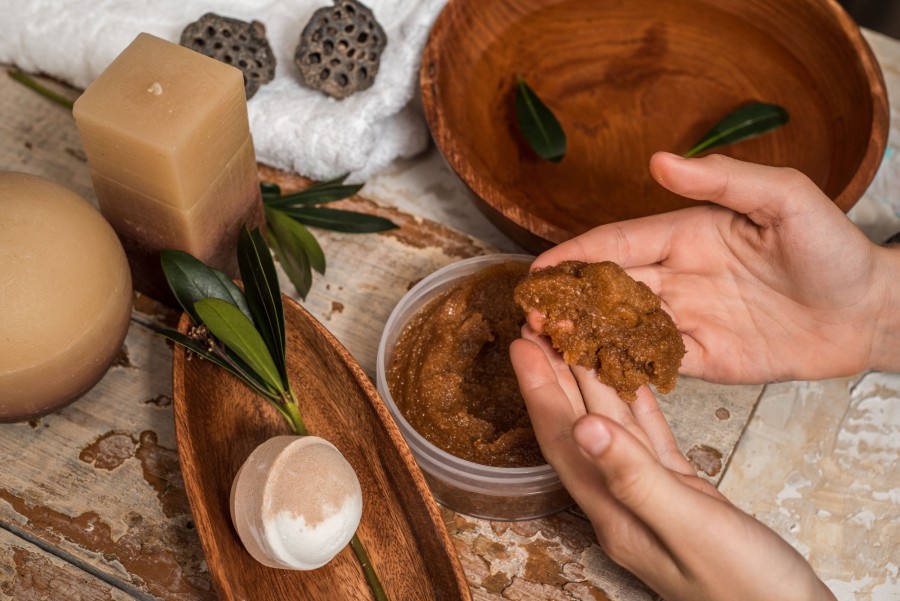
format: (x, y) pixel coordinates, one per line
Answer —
(28, 572)
(100, 482)
(219, 422)
(627, 79)
(92, 500)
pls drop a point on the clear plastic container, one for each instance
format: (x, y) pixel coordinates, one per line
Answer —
(497, 493)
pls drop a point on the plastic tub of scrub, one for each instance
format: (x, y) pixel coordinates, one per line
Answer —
(483, 491)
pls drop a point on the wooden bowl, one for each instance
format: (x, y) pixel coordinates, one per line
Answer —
(219, 422)
(628, 78)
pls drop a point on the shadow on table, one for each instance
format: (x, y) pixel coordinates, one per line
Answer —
(881, 15)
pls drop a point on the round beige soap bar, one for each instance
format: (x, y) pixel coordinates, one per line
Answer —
(65, 296)
(295, 502)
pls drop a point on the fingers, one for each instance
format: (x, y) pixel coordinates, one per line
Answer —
(765, 194)
(650, 419)
(603, 400)
(630, 243)
(561, 371)
(552, 417)
(670, 509)
(586, 393)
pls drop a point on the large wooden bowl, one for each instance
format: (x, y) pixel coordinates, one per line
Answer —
(629, 77)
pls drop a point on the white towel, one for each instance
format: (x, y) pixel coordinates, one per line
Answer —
(293, 127)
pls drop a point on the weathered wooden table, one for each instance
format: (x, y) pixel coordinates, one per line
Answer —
(92, 504)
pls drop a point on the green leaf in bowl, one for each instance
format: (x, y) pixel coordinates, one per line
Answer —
(538, 124)
(749, 121)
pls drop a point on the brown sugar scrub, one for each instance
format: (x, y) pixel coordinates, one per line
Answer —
(451, 376)
(598, 317)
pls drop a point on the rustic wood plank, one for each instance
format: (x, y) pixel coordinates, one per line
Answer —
(39, 137)
(878, 212)
(820, 461)
(100, 479)
(27, 573)
(820, 464)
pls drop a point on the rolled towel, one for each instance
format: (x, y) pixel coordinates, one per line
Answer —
(294, 128)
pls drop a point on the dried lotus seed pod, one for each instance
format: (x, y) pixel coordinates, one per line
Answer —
(236, 43)
(340, 49)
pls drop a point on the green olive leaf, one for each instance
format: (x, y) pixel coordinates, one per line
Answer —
(191, 280)
(749, 121)
(538, 124)
(339, 220)
(294, 236)
(295, 264)
(263, 294)
(320, 193)
(269, 190)
(231, 362)
(228, 324)
(294, 245)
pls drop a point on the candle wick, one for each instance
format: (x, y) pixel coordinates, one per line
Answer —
(155, 89)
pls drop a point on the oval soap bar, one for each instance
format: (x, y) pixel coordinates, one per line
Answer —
(65, 296)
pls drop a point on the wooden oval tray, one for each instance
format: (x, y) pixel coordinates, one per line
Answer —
(219, 422)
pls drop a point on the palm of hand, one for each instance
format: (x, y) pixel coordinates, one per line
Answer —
(759, 303)
(760, 289)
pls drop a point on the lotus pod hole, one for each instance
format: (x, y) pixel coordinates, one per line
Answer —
(236, 43)
(340, 49)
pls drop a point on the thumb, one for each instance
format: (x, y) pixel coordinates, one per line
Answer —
(660, 499)
(765, 194)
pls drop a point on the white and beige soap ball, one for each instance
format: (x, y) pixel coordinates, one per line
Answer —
(295, 502)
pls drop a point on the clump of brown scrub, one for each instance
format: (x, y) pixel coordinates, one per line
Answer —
(598, 317)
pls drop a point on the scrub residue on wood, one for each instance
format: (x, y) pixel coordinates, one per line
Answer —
(451, 375)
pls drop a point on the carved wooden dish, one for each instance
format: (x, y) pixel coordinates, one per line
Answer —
(219, 422)
(628, 78)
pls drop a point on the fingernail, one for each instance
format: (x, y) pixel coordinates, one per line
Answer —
(592, 435)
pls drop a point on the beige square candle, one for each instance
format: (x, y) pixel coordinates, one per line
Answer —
(166, 134)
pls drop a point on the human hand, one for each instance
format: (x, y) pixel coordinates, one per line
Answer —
(774, 284)
(650, 511)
